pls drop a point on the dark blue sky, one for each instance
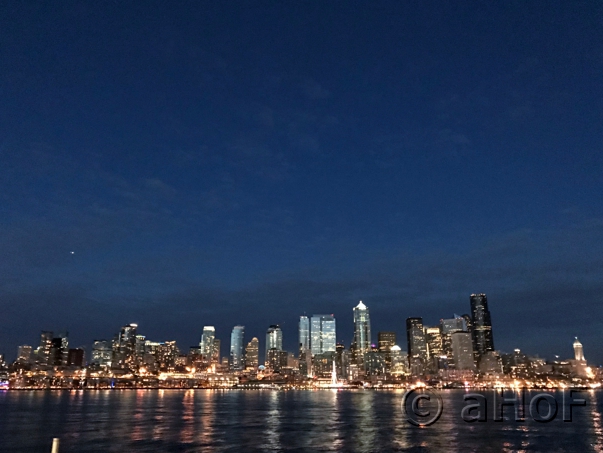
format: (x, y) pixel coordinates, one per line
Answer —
(229, 163)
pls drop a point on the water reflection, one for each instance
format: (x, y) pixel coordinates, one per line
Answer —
(187, 432)
(273, 422)
(205, 430)
(595, 415)
(209, 421)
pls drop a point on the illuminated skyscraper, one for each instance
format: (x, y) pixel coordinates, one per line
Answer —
(385, 341)
(236, 348)
(101, 352)
(24, 354)
(322, 334)
(252, 352)
(305, 354)
(362, 332)
(417, 346)
(43, 352)
(126, 345)
(482, 325)
(448, 327)
(59, 349)
(578, 350)
(304, 334)
(462, 351)
(274, 339)
(206, 345)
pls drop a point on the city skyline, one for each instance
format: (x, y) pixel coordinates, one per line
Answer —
(418, 340)
(178, 164)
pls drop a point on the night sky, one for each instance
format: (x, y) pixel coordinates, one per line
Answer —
(222, 163)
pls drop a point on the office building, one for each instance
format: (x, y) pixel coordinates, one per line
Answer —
(304, 334)
(274, 340)
(448, 327)
(75, 357)
(462, 351)
(236, 348)
(44, 350)
(322, 334)
(252, 351)
(24, 354)
(417, 345)
(206, 345)
(482, 325)
(385, 341)
(362, 332)
(101, 352)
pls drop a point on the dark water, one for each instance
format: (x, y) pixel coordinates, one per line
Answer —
(269, 421)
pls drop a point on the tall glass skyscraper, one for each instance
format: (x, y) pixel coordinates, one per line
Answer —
(482, 325)
(252, 354)
(417, 346)
(304, 334)
(236, 348)
(362, 332)
(322, 334)
(274, 339)
(207, 343)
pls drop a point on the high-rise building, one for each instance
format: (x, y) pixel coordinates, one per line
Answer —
(75, 357)
(304, 334)
(139, 348)
(206, 345)
(166, 355)
(462, 351)
(43, 351)
(101, 353)
(433, 339)
(448, 327)
(362, 332)
(482, 325)
(578, 350)
(125, 346)
(322, 334)
(236, 348)
(417, 346)
(24, 354)
(274, 339)
(217, 348)
(252, 352)
(386, 340)
(59, 349)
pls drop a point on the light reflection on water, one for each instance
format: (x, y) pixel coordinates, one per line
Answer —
(212, 421)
